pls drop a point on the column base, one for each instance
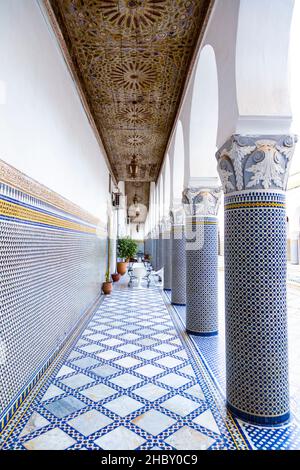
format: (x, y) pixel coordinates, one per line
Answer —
(262, 420)
(200, 333)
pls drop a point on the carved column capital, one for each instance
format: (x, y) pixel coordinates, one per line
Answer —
(166, 225)
(177, 215)
(255, 162)
(201, 201)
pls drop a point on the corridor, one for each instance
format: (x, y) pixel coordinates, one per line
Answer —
(131, 379)
(154, 142)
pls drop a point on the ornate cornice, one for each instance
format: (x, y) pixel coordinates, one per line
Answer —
(201, 201)
(21, 182)
(255, 162)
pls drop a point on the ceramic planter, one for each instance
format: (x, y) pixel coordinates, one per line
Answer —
(107, 287)
(116, 277)
(122, 267)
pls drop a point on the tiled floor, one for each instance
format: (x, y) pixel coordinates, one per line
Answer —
(133, 379)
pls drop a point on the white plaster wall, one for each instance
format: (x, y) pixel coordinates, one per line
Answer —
(204, 116)
(178, 160)
(44, 130)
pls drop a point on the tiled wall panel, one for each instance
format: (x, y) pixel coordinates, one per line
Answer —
(51, 268)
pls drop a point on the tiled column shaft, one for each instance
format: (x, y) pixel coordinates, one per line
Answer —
(167, 262)
(154, 252)
(178, 296)
(160, 251)
(202, 260)
(254, 172)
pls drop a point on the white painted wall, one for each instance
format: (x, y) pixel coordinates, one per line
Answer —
(204, 116)
(44, 130)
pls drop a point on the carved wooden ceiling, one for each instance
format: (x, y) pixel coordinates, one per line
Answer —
(132, 58)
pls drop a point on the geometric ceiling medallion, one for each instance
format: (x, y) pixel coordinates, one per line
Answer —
(133, 15)
(134, 114)
(135, 140)
(133, 76)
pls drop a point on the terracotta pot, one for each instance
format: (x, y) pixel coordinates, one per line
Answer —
(122, 267)
(116, 277)
(107, 287)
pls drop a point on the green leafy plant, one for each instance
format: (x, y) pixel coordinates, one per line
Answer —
(127, 248)
(107, 276)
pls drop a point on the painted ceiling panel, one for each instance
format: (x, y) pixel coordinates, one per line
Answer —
(132, 58)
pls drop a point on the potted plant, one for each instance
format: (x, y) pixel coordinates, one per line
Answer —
(107, 285)
(116, 277)
(126, 249)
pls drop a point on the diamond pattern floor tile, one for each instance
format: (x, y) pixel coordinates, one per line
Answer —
(76, 381)
(207, 420)
(123, 406)
(151, 392)
(180, 405)
(127, 383)
(98, 392)
(120, 438)
(188, 438)
(127, 362)
(85, 362)
(174, 380)
(104, 370)
(90, 422)
(153, 422)
(149, 370)
(64, 406)
(53, 391)
(56, 439)
(126, 380)
(35, 422)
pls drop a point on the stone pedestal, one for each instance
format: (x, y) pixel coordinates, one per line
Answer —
(254, 173)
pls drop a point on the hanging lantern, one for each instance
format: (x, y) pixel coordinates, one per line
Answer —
(133, 167)
(135, 200)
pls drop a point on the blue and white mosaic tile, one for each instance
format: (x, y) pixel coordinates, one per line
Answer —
(122, 387)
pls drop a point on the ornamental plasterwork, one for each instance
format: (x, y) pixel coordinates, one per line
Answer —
(201, 201)
(177, 215)
(255, 162)
(23, 183)
(131, 58)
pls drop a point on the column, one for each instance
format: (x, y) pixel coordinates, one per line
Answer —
(201, 205)
(254, 174)
(178, 296)
(159, 248)
(167, 259)
(154, 249)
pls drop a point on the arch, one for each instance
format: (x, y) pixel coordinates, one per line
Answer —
(167, 185)
(262, 67)
(177, 167)
(160, 197)
(295, 91)
(204, 116)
